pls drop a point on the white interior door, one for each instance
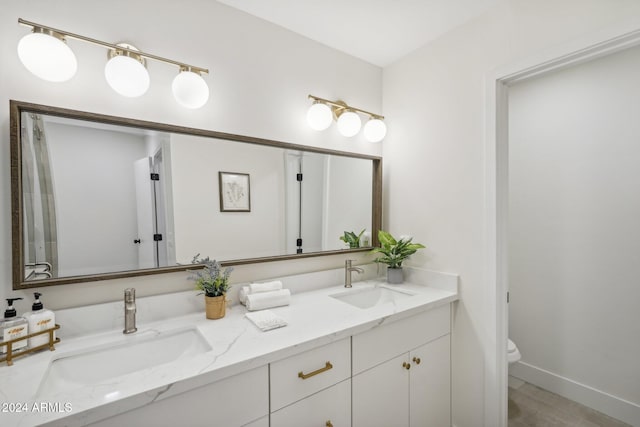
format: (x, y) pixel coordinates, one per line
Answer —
(145, 213)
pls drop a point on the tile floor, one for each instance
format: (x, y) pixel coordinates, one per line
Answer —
(532, 406)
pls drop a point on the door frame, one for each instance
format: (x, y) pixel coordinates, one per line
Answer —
(592, 46)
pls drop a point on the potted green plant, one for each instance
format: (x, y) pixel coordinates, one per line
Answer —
(214, 283)
(352, 239)
(394, 252)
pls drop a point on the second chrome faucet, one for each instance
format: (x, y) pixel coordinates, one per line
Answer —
(347, 272)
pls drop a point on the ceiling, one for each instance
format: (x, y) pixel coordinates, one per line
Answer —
(377, 31)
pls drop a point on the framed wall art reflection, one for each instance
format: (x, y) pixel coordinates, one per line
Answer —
(235, 194)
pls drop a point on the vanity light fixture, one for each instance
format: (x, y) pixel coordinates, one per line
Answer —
(322, 112)
(44, 52)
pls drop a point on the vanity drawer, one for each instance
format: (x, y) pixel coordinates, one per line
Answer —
(330, 407)
(306, 373)
(387, 341)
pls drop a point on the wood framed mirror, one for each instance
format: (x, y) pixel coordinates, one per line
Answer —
(97, 197)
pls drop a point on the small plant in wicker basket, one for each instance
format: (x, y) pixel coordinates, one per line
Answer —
(211, 280)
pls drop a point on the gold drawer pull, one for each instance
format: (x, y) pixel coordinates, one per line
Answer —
(406, 365)
(328, 424)
(327, 366)
(416, 360)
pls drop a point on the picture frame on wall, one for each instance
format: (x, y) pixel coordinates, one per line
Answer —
(235, 192)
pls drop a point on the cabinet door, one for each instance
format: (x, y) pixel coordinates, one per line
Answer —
(430, 385)
(381, 395)
(330, 407)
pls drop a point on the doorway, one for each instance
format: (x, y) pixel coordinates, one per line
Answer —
(497, 161)
(574, 239)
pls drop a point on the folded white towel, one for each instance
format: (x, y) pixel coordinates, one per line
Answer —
(266, 320)
(255, 288)
(275, 285)
(263, 300)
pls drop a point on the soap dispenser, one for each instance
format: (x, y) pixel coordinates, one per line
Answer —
(12, 327)
(39, 319)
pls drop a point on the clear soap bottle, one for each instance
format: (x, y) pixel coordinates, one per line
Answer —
(12, 327)
(39, 319)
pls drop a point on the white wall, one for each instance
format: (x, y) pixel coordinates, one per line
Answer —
(260, 77)
(434, 102)
(574, 240)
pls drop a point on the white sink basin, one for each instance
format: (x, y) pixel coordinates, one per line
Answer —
(132, 353)
(373, 296)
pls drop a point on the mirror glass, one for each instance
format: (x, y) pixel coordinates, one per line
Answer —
(102, 197)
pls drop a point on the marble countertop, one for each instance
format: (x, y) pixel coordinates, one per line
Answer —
(314, 318)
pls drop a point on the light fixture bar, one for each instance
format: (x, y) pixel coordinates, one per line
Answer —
(347, 107)
(182, 65)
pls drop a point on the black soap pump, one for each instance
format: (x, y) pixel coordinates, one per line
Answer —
(12, 327)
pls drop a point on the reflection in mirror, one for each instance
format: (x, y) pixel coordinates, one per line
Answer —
(99, 198)
(88, 197)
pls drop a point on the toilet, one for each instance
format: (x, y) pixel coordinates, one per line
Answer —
(513, 354)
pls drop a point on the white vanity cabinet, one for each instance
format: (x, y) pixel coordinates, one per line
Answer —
(401, 373)
(312, 388)
(240, 400)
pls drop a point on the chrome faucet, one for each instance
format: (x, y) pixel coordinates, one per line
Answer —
(347, 272)
(129, 311)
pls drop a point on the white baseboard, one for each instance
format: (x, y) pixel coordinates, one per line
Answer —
(613, 406)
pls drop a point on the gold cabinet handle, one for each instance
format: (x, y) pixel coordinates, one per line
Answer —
(406, 365)
(416, 360)
(304, 376)
(328, 424)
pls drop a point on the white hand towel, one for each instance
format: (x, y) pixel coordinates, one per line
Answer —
(275, 285)
(263, 300)
(266, 320)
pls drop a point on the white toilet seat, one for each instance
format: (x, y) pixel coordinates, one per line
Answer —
(513, 354)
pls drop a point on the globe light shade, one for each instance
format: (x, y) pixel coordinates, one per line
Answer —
(190, 89)
(127, 76)
(319, 116)
(349, 123)
(47, 57)
(375, 130)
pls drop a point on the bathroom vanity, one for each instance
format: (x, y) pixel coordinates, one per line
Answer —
(366, 356)
(370, 355)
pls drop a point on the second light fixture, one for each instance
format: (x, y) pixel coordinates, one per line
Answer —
(323, 112)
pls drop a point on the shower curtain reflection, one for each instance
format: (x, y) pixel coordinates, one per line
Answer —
(40, 237)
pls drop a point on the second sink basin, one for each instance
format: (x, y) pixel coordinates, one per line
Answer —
(132, 353)
(368, 297)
